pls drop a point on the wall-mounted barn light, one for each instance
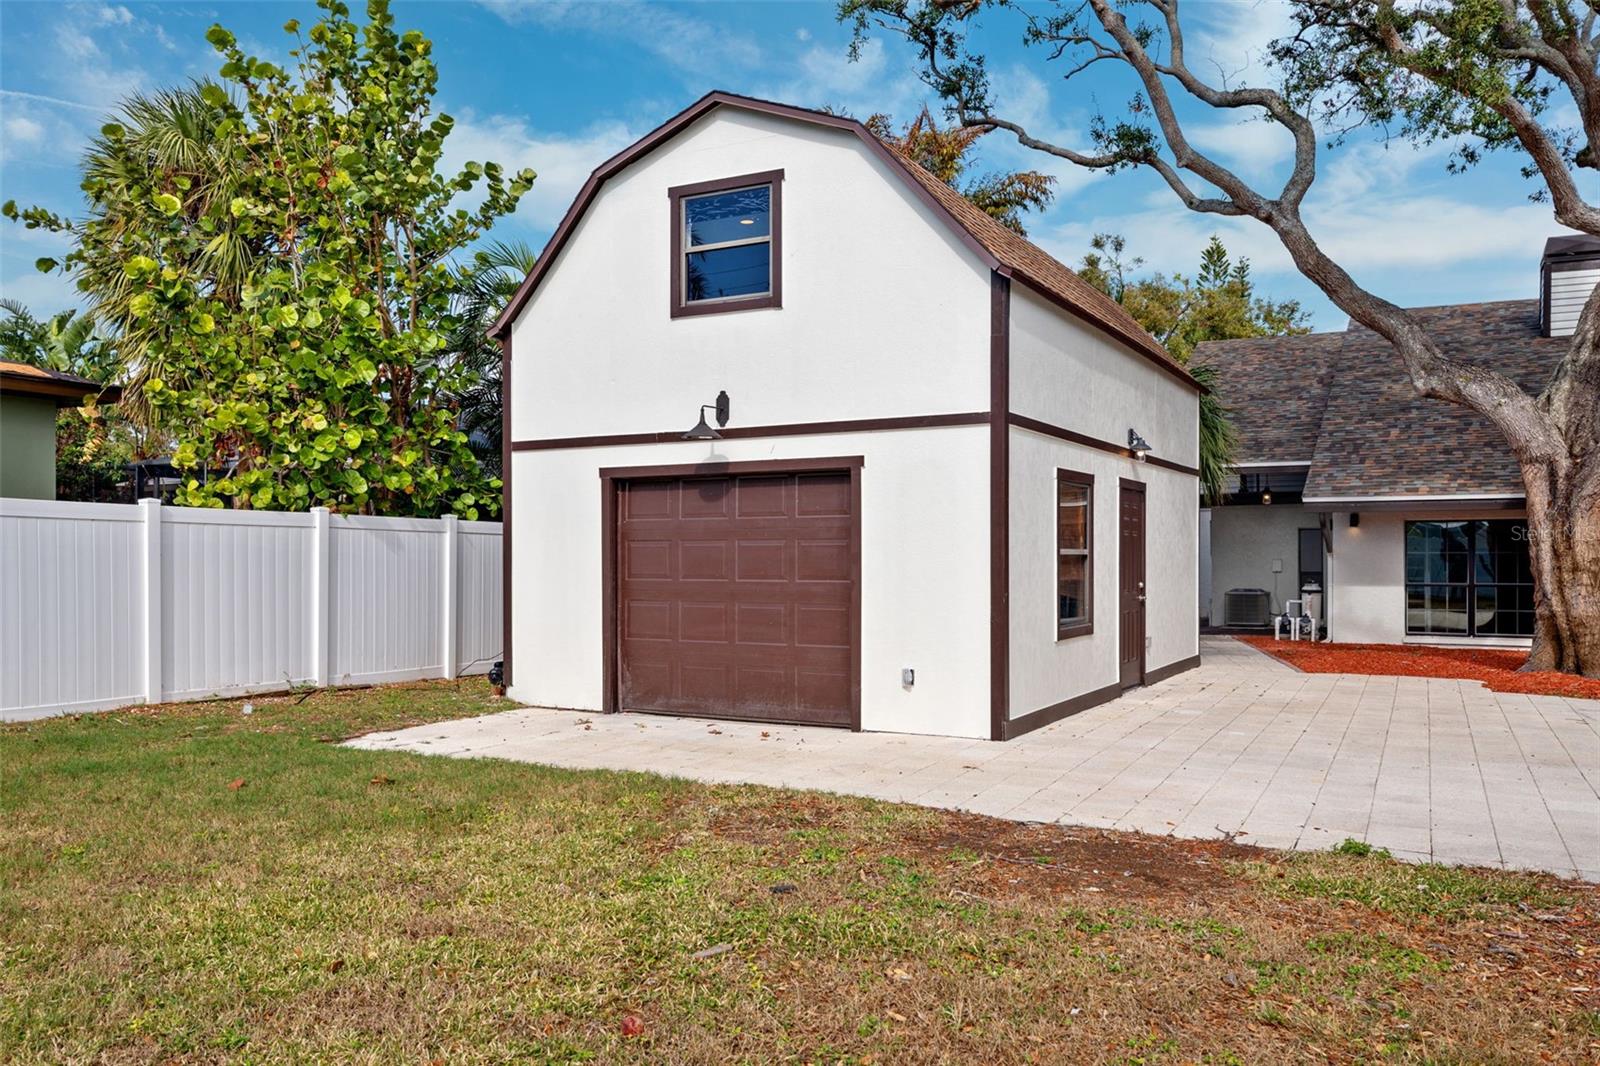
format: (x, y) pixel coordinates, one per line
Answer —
(1138, 445)
(701, 430)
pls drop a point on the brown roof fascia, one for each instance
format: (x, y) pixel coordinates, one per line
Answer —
(63, 390)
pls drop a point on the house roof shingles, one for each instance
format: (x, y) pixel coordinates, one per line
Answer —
(1343, 402)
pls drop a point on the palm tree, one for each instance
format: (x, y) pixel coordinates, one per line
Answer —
(483, 290)
(165, 139)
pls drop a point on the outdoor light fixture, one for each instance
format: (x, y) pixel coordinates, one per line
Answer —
(1355, 519)
(701, 430)
(1138, 445)
(1266, 497)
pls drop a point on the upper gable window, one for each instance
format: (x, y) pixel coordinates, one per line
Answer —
(727, 241)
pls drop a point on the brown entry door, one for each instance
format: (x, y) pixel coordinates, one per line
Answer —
(735, 597)
(1131, 598)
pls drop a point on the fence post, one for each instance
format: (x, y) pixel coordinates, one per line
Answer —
(320, 596)
(447, 594)
(150, 545)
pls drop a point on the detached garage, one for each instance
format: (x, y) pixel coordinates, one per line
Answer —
(795, 434)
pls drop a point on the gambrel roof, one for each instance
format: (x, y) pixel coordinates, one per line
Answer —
(1000, 249)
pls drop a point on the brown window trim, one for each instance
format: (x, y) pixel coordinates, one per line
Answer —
(682, 308)
(1066, 630)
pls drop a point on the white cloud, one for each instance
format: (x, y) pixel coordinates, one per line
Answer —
(1254, 149)
(561, 162)
(1374, 214)
(1229, 39)
(42, 294)
(823, 75)
(21, 129)
(113, 15)
(692, 44)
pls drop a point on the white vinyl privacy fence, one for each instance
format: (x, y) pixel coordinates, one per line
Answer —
(104, 605)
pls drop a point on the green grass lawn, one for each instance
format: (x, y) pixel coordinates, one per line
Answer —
(192, 884)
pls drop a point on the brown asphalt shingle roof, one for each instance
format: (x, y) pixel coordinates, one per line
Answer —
(1343, 401)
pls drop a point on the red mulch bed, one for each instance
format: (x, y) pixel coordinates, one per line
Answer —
(1495, 667)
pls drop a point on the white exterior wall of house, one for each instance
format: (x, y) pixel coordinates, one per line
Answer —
(886, 312)
(1247, 541)
(924, 569)
(1367, 578)
(1068, 375)
(896, 326)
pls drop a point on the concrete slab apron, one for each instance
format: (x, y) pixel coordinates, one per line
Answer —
(1431, 769)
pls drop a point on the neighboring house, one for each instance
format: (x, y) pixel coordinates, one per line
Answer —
(924, 514)
(1407, 512)
(30, 396)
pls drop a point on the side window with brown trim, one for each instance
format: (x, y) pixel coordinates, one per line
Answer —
(1074, 553)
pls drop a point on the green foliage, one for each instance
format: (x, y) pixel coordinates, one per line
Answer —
(68, 342)
(277, 249)
(946, 153)
(1218, 303)
(1435, 70)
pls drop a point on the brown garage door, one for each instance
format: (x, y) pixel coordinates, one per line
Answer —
(735, 596)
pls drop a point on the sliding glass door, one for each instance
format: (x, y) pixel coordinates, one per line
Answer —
(1469, 579)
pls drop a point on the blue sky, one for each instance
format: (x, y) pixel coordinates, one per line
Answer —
(559, 86)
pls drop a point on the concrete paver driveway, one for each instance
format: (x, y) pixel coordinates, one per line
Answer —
(1431, 769)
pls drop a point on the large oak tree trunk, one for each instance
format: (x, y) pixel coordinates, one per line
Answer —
(1564, 548)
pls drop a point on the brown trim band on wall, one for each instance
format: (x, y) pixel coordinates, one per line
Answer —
(681, 307)
(1161, 673)
(1066, 708)
(792, 429)
(999, 504)
(505, 509)
(1044, 716)
(613, 477)
(1074, 437)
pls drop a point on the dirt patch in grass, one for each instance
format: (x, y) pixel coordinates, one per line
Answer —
(1495, 667)
(483, 911)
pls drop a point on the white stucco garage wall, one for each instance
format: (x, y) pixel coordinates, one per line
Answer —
(924, 569)
(885, 312)
(1071, 376)
(1045, 670)
(1067, 374)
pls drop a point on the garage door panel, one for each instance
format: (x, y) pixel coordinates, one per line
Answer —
(822, 626)
(704, 499)
(703, 560)
(649, 682)
(757, 576)
(648, 500)
(703, 622)
(823, 693)
(823, 560)
(762, 623)
(761, 560)
(643, 559)
(647, 620)
(823, 494)
(762, 497)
